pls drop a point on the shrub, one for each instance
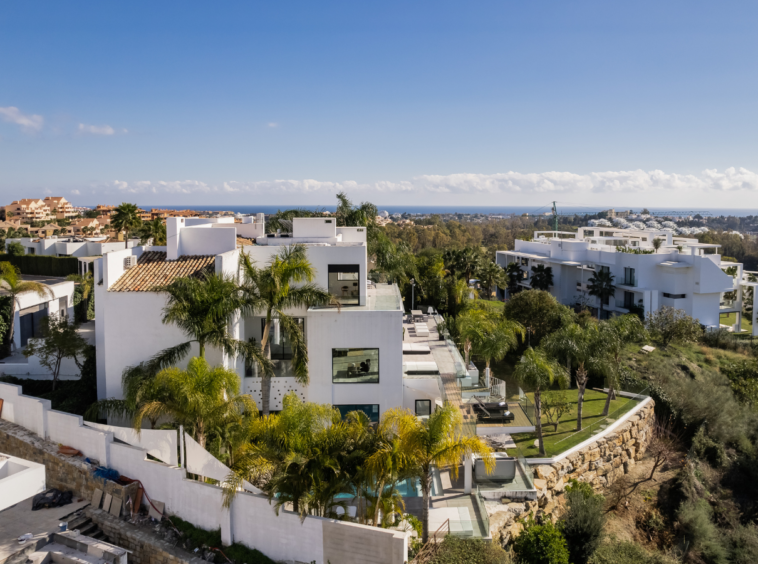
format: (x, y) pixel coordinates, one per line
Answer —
(16, 249)
(42, 265)
(617, 552)
(539, 311)
(541, 544)
(707, 449)
(583, 522)
(742, 544)
(700, 533)
(455, 550)
(195, 537)
(668, 325)
(725, 340)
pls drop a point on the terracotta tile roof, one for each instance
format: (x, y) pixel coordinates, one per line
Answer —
(154, 270)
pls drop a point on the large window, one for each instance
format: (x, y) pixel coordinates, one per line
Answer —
(355, 366)
(344, 283)
(423, 407)
(370, 409)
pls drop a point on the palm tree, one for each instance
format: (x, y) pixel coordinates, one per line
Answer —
(503, 339)
(613, 336)
(203, 308)
(657, 243)
(491, 276)
(199, 398)
(126, 218)
(542, 277)
(473, 324)
(581, 346)
(537, 372)
(601, 286)
(388, 464)
(271, 290)
(514, 275)
(436, 441)
(12, 282)
(155, 230)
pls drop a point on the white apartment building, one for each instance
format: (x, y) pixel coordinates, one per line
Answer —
(682, 273)
(355, 352)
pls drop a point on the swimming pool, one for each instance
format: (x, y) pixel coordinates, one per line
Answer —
(410, 487)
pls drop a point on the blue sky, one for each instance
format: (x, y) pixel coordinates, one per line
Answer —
(508, 103)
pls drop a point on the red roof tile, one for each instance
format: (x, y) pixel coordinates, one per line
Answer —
(153, 271)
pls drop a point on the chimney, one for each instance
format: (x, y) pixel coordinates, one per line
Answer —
(173, 227)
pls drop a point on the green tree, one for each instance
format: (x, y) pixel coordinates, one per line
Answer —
(155, 230)
(541, 544)
(537, 372)
(285, 282)
(86, 285)
(554, 405)
(542, 277)
(539, 313)
(514, 275)
(200, 398)
(668, 324)
(613, 336)
(12, 282)
(306, 455)
(437, 441)
(59, 339)
(579, 344)
(657, 243)
(387, 465)
(491, 277)
(126, 218)
(583, 522)
(16, 249)
(601, 286)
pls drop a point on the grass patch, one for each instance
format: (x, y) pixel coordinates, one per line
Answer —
(195, 537)
(731, 318)
(566, 436)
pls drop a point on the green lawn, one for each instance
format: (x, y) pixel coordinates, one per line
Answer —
(731, 319)
(566, 436)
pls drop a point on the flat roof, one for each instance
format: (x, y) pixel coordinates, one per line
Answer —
(379, 297)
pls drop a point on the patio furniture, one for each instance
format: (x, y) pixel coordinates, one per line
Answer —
(417, 314)
(422, 329)
(493, 411)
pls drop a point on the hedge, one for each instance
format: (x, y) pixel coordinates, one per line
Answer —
(42, 265)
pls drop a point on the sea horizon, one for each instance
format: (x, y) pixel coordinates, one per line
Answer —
(425, 210)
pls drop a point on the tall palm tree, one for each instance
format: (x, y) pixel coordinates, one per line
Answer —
(513, 274)
(492, 276)
(601, 286)
(198, 398)
(537, 372)
(126, 218)
(542, 277)
(612, 337)
(285, 282)
(473, 325)
(12, 282)
(202, 308)
(495, 344)
(388, 464)
(436, 441)
(155, 230)
(581, 346)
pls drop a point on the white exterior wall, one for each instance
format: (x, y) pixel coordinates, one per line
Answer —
(19, 480)
(327, 330)
(251, 520)
(62, 290)
(325, 227)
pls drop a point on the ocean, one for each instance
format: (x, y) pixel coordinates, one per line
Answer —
(500, 210)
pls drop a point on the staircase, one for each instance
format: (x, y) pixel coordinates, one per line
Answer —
(85, 526)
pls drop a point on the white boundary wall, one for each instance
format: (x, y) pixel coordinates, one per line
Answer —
(251, 519)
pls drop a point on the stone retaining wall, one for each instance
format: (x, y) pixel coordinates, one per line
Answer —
(145, 548)
(66, 473)
(598, 463)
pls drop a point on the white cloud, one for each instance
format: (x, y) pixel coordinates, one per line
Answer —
(272, 124)
(76, 192)
(655, 183)
(28, 122)
(97, 129)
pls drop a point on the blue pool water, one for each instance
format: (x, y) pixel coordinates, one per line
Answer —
(407, 488)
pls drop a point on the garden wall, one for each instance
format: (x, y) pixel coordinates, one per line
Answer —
(30, 427)
(597, 461)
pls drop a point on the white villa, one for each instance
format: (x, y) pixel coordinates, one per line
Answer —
(682, 273)
(355, 352)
